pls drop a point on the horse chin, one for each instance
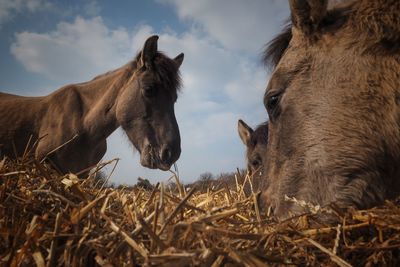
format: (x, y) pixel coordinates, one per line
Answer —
(164, 167)
(152, 163)
(150, 160)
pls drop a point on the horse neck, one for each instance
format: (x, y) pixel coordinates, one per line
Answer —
(100, 98)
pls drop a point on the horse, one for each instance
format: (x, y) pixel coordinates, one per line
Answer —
(333, 103)
(71, 125)
(256, 144)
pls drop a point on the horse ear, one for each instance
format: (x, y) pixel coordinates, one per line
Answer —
(245, 132)
(307, 14)
(179, 59)
(149, 51)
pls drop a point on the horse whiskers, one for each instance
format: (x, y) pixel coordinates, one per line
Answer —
(154, 156)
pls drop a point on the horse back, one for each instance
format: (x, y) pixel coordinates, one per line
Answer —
(18, 121)
(53, 118)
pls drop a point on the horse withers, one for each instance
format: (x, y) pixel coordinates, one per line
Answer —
(72, 124)
(334, 106)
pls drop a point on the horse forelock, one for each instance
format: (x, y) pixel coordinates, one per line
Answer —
(376, 21)
(275, 49)
(167, 70)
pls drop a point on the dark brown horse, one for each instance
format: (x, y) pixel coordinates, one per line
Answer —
(72, 123)
(256, 144)
(334, 106)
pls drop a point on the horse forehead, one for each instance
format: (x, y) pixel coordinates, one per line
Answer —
(298, 50)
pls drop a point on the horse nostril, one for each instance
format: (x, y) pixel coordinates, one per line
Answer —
(166, 154)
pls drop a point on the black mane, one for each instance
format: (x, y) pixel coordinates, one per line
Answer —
(275, 48)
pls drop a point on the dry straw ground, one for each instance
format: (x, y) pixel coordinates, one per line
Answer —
(52, 220)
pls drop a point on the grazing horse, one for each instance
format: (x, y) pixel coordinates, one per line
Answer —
(72, 123)
(256, 145)
(334, 106)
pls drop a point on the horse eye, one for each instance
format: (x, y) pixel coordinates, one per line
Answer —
(149, 92)
(272, 103)
(256, 162)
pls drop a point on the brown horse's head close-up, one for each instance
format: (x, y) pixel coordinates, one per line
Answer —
(334, 106)
(145, 107)
(256, 144)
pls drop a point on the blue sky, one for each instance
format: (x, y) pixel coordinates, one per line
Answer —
(47, 44)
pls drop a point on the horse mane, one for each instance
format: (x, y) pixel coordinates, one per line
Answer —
(166, 68)
(131, 63)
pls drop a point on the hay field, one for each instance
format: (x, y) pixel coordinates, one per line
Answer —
(51, 220)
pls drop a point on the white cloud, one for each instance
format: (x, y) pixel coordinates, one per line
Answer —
(220, 86)
(236, 24)
(9, 8)
(74, 51)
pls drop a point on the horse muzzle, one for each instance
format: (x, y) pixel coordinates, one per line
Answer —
(161, 158)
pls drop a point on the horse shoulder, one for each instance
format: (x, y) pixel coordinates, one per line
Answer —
(61, 120)
(65, 108)
(18, 121)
